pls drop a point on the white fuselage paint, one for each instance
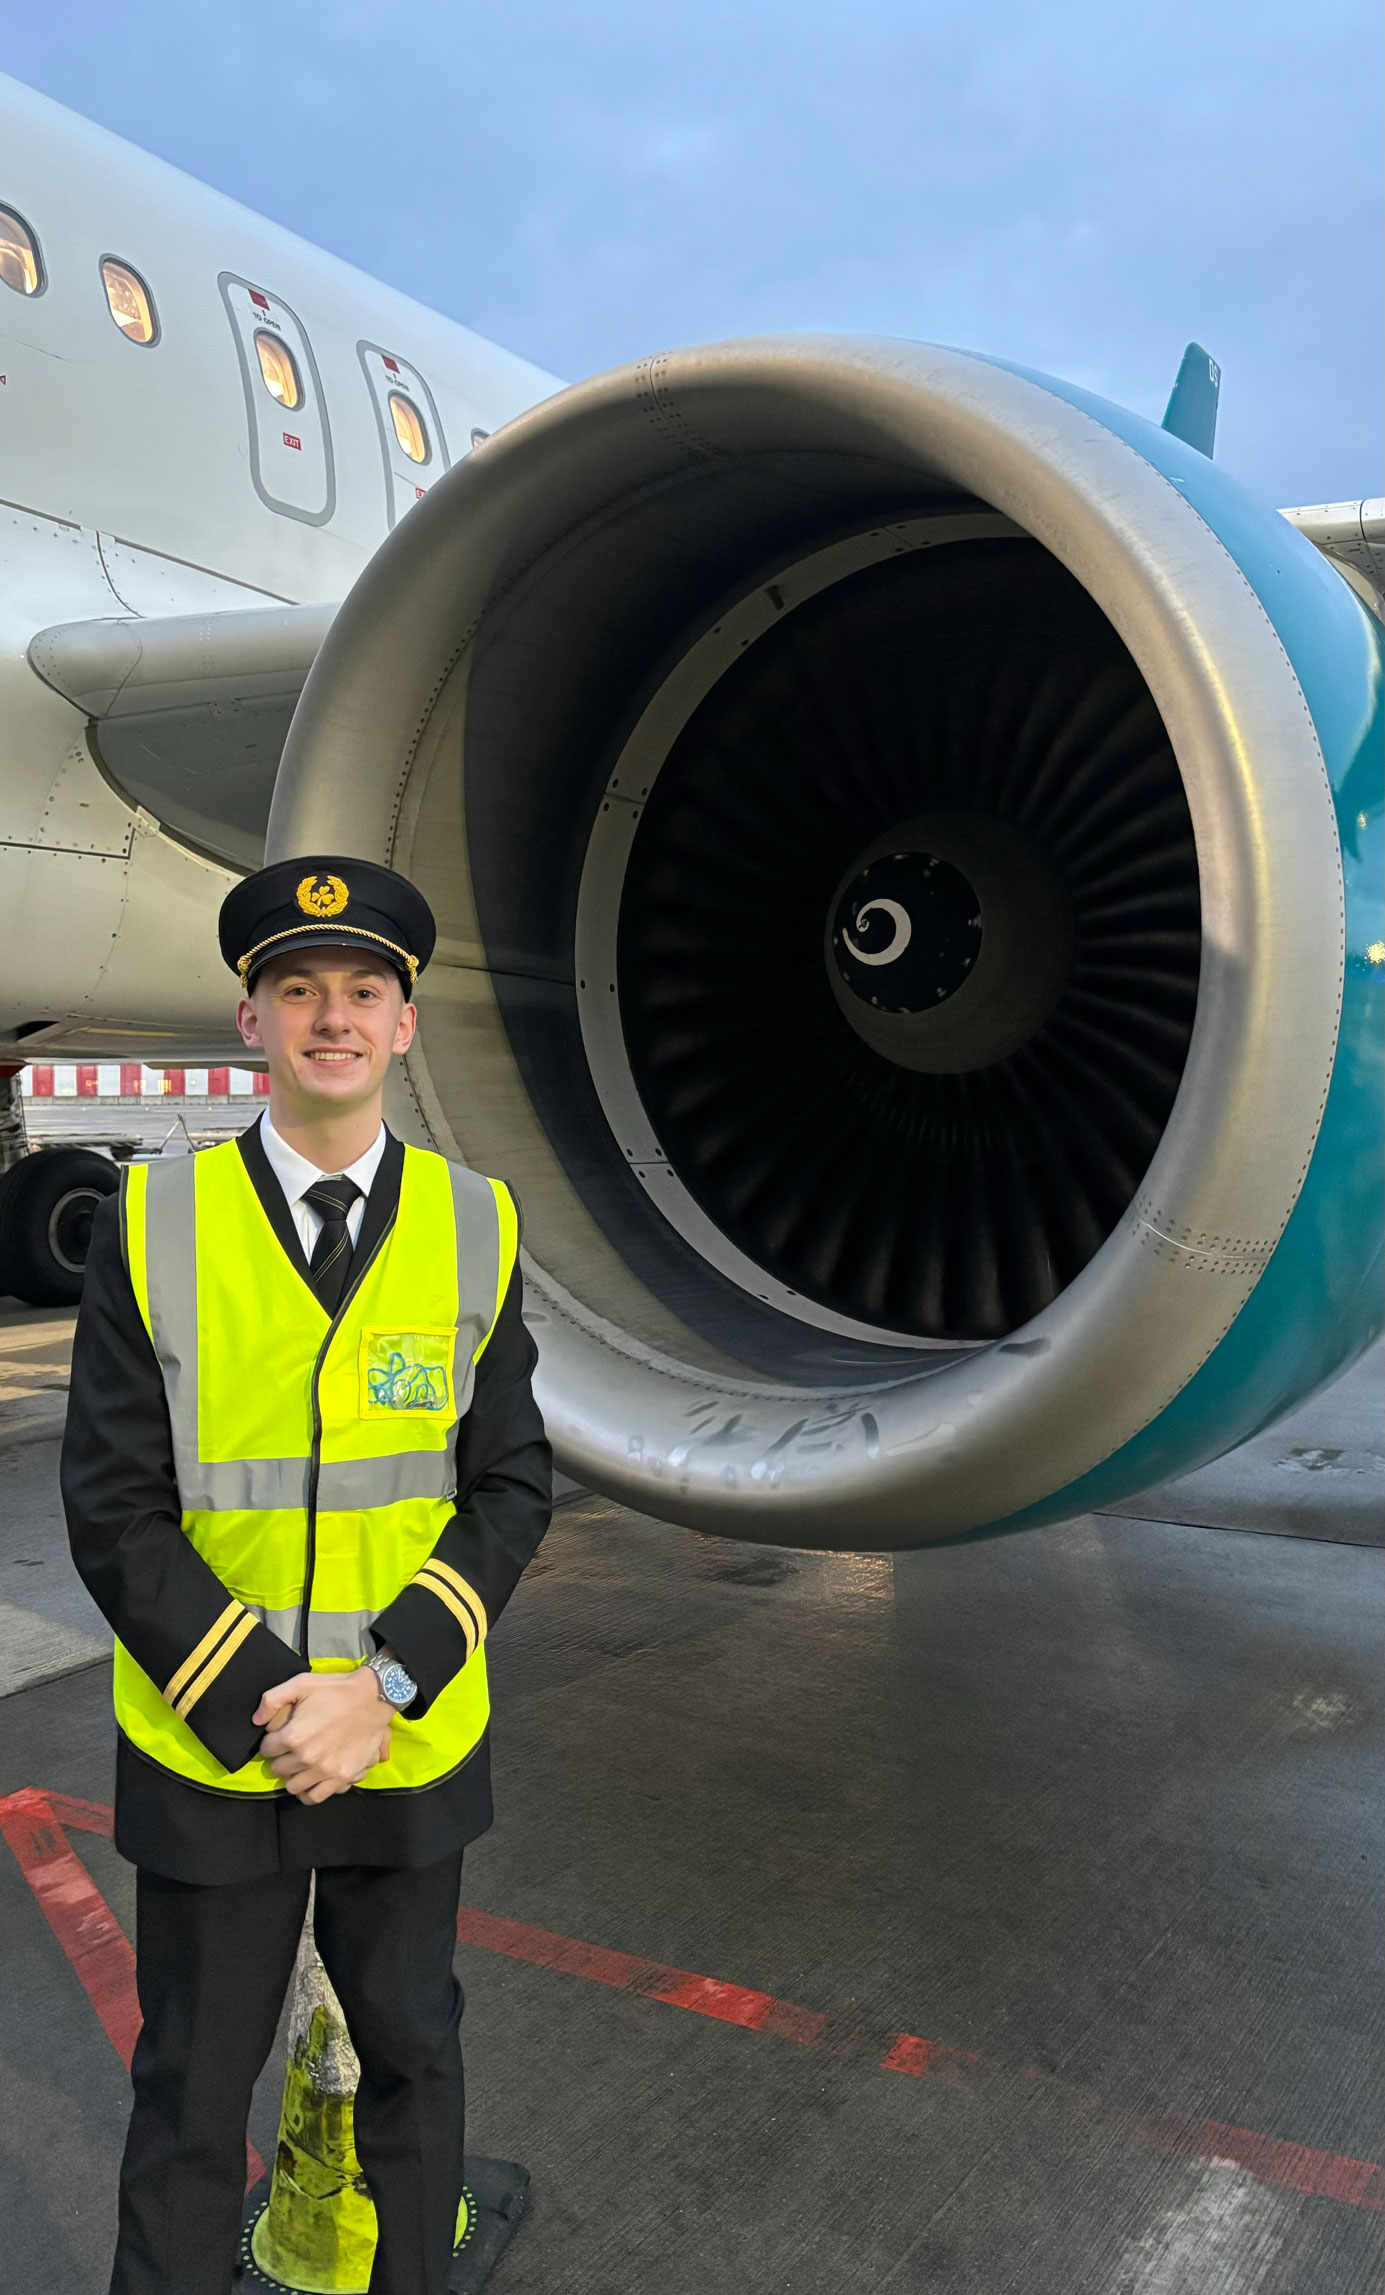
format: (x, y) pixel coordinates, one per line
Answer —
(127, 487)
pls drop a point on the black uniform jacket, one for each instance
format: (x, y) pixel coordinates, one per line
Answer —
(161, 1597)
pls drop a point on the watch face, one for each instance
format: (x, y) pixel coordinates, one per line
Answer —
(399, 1687)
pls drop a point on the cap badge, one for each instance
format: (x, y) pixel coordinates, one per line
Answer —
(322, 896)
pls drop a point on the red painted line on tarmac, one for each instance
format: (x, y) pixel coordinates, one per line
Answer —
(930, 2060)
(33, 1823)
(650, 1979)
(1272, 2159)
(1173, 2135)
(81, 1816)
(79, 1915)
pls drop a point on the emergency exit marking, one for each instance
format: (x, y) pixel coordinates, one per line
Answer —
(34, 1824)
(295, 443)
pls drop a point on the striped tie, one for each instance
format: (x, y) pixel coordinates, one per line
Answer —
(331, 1260)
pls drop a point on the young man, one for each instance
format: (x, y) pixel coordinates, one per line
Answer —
(303, 1472)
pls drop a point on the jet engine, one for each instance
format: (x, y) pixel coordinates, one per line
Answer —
(906, 840)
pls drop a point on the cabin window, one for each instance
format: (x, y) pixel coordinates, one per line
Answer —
(409, 427)
(413, 443)
(129, 301)
(21, 265)
(278, 367)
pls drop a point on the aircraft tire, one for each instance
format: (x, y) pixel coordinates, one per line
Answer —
(46, 1208)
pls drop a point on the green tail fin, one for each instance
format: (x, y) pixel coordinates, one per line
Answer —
(1191, 413)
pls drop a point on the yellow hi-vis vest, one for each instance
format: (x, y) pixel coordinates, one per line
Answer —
(315, 1456)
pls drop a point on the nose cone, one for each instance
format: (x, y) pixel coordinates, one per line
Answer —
(906, 932)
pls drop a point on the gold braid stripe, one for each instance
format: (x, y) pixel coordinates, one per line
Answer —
(243, 963)
(208, 1643)
(214, 1665)
(457, 1582)
(459, 1610)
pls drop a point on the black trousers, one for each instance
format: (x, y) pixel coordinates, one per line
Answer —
(213, 1968)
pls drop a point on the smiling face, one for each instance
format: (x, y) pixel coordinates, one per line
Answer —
(328, 1022)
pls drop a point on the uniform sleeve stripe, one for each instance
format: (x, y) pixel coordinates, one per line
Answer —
(215, 1664)
(457, 1582)
(450, 1602)
(508, 1221)
(190, 1664)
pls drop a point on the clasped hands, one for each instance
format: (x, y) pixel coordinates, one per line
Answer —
(324, 1731)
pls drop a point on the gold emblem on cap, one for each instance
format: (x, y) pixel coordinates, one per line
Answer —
(322, 896)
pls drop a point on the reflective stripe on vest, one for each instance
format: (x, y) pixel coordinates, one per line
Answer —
(316, 1459)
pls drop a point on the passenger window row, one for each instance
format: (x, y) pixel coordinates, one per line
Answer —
(127, 297)
(292, 469)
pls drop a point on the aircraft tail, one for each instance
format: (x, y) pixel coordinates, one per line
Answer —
(1191, 413)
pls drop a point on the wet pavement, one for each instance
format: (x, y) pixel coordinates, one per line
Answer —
(998, 1919)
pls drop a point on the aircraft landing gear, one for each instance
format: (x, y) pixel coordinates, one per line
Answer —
(47, 1202)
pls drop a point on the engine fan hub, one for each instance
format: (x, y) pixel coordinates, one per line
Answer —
(906, 932)
(971, 954)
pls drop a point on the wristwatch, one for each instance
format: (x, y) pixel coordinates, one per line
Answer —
(397, 1685)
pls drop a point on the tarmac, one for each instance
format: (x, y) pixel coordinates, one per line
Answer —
(997, 1919)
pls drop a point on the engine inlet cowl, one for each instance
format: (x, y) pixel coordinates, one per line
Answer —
(881, 811)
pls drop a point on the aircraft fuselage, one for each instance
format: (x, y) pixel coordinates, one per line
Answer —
(161, 478)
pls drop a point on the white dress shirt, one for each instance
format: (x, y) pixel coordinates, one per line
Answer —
(294, 1173)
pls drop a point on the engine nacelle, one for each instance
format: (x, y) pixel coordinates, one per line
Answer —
(906, 841)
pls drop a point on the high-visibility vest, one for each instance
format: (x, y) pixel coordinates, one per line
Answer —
(315, 1456)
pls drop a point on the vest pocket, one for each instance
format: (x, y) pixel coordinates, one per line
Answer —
(406, 1373)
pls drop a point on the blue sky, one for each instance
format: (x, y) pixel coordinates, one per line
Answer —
(1077, 185)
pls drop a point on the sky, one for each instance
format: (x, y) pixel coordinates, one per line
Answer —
(1077, 185)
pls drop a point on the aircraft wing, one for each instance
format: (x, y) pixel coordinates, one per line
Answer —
(1352, 534)
(188, 713)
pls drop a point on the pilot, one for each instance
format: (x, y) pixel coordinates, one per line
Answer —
(303, 1471)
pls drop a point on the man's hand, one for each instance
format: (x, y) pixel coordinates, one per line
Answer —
(324, 1731)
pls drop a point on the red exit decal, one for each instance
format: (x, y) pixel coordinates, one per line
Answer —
(295, 443)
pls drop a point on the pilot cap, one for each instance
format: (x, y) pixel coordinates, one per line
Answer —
(325, 900)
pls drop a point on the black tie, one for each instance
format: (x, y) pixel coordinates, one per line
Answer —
(331, 1260)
